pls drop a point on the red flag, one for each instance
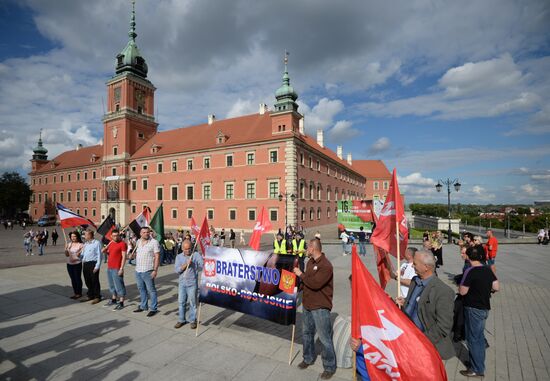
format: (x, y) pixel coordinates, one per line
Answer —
(195, 230)
(204, 236)
(262, 225)
(384, 235)
(394, 348)
(383, 264)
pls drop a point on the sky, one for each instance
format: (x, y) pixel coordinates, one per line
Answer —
(436, 89)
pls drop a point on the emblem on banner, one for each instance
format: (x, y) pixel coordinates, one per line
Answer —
(209, 267)
(288, 280)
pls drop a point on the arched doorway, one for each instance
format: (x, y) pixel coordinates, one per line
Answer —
(112, 213)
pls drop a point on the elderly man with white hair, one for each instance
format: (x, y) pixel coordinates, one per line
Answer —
(429, 304)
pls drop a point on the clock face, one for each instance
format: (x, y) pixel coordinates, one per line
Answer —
(140, 95)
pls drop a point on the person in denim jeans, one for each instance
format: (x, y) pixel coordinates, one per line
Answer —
(147, 256)
(478, 282)
(188, 265)
(317, 287)
(117, 250)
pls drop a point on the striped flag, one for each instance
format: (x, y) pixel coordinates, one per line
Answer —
(68, 218)
(141, 220)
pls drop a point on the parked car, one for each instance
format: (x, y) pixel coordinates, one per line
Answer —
(47, 220)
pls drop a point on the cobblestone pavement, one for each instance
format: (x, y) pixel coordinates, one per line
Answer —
(46, 335)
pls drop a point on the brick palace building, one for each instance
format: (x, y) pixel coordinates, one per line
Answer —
(225, 169)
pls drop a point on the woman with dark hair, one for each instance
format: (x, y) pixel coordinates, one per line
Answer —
(73, 249)
(478, 282)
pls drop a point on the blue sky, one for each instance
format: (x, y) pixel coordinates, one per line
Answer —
(437, 89)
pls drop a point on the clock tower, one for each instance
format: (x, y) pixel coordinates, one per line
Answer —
(128, 123)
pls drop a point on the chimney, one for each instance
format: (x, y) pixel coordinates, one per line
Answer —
(211, 119)
(263, 108)
(78, 146)
(339, 152)
(320, 137)
(301, 126)
(349, 158)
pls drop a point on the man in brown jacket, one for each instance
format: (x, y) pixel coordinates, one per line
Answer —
(317, 287)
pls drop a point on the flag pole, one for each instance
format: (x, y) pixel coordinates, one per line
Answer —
(291, 344)
(398, 257)
(355, 365)
(198, 320)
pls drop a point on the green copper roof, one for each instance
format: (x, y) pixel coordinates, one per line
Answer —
(40, 152)
(286, 91)
(130, 59)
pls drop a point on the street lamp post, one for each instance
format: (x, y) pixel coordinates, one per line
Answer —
(292, 198)
(456, 185)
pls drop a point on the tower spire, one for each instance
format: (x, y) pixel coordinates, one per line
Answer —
(130, 59)
(285, 95)
(132, 33)
(39, 152)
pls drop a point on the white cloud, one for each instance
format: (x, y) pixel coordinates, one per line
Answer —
(530, 190)
(417, 179)
(322, 115)
(343, 131)
(242, 107)
(379, 146)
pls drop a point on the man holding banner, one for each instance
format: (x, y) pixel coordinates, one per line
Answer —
(188, 265)
(317, 286)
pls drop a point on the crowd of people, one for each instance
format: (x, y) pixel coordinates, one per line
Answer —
(439, 311)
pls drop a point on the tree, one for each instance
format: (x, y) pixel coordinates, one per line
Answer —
(15, 194)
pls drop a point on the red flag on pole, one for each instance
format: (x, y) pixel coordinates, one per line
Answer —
(392, 214)
(394, 348)
(204, 236)
(195, 230)
(384, 266)
(262, 225)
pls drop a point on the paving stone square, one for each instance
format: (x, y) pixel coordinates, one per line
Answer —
(44, 335)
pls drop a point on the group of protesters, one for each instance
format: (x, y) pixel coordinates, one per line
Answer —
(426, 299)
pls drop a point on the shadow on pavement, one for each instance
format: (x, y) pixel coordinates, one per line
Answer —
(45, 359)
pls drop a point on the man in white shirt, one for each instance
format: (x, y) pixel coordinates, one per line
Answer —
(147, 263)
(407, 271)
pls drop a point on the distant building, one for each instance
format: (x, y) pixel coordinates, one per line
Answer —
(377, 177)
(224, 169)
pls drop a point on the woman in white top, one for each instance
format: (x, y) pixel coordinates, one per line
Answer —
(74, 265)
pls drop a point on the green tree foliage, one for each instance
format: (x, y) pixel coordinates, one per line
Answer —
(15, 194)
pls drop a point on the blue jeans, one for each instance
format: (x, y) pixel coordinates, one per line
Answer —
(147, 289)
(318, 320)
(474, 320)
(362, 248)
(187, 294)
(116, 283)
(41, 247)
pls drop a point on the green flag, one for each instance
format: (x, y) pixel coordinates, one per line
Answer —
(157, 224)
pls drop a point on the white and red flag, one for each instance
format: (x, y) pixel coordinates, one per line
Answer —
(195, 229)
(392, 216)
(261, 226)
(141, 220)
(204, 236)
(68, 218)
(393, 347)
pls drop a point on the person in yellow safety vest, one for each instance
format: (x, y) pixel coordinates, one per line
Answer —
(299, 245)
(279, 245)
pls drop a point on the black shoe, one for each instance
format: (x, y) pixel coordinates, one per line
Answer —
(152, 313)
(471, 373)
(179, 324)
(138, 310)
(303, 365)
(326, 375)
(193, 325)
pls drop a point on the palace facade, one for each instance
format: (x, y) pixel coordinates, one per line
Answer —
(225, 169)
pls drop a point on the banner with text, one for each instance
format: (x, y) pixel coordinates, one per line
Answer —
(256, 283)
(353, 214)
